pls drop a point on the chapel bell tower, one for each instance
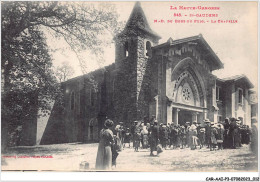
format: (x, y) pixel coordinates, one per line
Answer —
(133, 52)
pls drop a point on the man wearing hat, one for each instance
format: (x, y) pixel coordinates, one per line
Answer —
(132, 130)
(187, 125)
(154, 137)
(198, 125)
(121, 132)
(233, 132)
(238, 133)
(227, 140)
(127, 137)
(183, 136)
(161, 133)
(207, 132)
(173, 136)
(137, 136)
(164, 136)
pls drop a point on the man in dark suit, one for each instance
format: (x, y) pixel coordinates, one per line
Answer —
(154, 137)
(226, 141)
(207, 132)
(232, 132)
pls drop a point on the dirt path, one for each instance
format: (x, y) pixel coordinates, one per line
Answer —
(67, 157)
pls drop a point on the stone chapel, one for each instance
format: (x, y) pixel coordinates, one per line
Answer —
(172, 82)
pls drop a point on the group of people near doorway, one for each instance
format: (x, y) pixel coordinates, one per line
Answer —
(228, 134)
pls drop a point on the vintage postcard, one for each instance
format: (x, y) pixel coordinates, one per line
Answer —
(129, 86)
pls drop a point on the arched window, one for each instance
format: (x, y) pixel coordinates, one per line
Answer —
(148, 47)
(82, 102)
(72, 101)
(92, 97)
(126, 49)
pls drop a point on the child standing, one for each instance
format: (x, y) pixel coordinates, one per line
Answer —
(127, 137)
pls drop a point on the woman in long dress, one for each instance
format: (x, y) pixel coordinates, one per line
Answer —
(104, 154)
(137, 138)
(193, 136)
(144, 134)
(213, 137)
(220, 136)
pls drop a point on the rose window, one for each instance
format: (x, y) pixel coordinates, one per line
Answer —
(186, 94)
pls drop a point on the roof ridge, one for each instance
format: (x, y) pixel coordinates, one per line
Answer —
(104, 68)
(234, 77)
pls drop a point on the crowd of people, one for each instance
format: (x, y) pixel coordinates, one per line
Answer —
(228, 134)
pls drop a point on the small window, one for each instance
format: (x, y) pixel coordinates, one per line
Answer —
(148, 49)
(92, 97)
(72, 101)
(219, 118)
(82, 102)
(218, 93)
(240, 96)
(126, 49)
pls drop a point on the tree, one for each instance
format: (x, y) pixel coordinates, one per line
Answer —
(64, 72)
(26, 63)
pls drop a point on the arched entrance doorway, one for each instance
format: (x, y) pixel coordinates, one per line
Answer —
(188, 100)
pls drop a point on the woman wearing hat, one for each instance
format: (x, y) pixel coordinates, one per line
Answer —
(220, 136)
(104, 154)
(144, 134)
(233, 132)
(193, 136)
(213, 137)
(137, 136)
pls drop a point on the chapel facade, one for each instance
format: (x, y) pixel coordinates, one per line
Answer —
(171, 82)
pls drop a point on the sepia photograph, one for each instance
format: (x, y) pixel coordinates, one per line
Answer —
(144, 86)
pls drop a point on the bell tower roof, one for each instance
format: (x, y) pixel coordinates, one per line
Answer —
(138, 21)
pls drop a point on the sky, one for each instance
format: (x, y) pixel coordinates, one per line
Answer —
(234, 43)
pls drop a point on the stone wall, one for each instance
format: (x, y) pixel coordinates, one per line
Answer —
(125, 83)
(133, 79)
(93, 103)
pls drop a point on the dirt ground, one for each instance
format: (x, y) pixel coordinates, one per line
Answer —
(68, 157)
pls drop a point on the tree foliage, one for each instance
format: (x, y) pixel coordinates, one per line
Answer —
(64, 72)
(26, 62)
